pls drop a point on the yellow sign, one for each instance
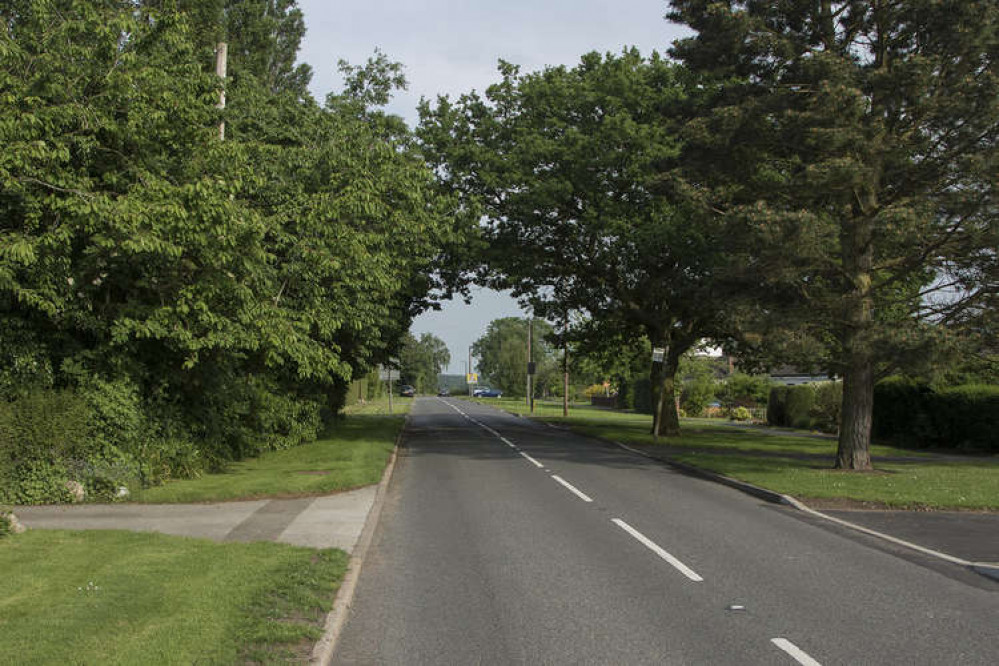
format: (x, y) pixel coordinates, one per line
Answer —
(472, 378)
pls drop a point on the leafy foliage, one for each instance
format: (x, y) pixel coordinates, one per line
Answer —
(502, 357)
(193, 290)
(854, 142)
(569, 167)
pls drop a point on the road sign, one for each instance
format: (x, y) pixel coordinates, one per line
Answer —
(472, 378)
(657, 355)
(387, 374)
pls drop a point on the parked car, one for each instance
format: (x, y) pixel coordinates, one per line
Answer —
(490, 393)
(407, 391)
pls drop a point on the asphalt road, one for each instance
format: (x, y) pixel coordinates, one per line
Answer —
(506, 542)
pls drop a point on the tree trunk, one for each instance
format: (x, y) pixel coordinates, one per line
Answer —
(665, 419)
(858, 359)
(669, 419)
(858, 407)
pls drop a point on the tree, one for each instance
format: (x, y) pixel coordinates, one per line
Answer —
(855, 142)
(237, 286)
(502, 356)
(570, 167)
(422, 360)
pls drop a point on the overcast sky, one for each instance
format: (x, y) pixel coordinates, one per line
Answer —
(451, 47)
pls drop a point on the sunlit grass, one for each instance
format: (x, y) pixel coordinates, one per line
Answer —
(352, 454)
(796, 463)
(105, 597)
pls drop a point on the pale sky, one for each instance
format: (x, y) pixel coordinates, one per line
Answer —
(451, 47)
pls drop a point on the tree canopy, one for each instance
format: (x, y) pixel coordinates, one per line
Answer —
(854, 143)
(571, 168)
(235, 286)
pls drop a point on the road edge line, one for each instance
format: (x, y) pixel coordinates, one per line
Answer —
(322, 652)
(981, 568)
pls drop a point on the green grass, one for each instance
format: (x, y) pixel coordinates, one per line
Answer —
(107, 597)
(799, 465)
(352, 454)
(400, 405)
(922, 485)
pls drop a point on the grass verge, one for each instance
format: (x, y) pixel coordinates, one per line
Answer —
(801, 465)
(107, 597)
(352, 454)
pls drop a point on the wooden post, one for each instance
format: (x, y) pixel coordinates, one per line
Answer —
(221, 62)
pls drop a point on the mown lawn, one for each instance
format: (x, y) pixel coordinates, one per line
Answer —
(107, 597)
(352, 454)
(800, 465)
(101, 597)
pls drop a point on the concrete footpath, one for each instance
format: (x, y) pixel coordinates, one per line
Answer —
(328, 521)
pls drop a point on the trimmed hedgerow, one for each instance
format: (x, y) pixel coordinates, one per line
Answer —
(916, 415)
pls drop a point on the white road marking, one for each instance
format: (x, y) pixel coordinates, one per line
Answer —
(654, 547)
(573, 489)
(536, 463)
(797, 653)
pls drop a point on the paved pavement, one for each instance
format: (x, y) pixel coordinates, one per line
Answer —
(502, 541)
(328, 521)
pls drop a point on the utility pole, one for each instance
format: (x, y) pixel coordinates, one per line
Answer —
(530, 370)
(221, 63)
(565, 368)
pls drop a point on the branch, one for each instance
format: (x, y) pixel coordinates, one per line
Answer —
(81, 193)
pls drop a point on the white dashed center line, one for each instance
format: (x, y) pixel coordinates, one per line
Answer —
(654, 547)
(573, 489)
(796, 652)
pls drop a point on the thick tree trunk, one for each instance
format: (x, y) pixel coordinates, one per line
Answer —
(858, 358)
(858, 407)
(665, 419)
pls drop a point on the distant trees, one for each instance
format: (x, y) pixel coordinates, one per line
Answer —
(502, 356)
(422, 360)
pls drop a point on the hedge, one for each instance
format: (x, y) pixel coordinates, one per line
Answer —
(915, 415)
(806, 406)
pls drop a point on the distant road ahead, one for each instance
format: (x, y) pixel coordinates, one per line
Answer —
(507, 542)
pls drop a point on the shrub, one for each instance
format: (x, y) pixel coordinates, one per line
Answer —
(800, 400)
(742, 390)
(825, 411)
(39, 432)
(913, 414)
(696, 395)
(968, 416)
(777, 407)
(741, 414)
(903, 412)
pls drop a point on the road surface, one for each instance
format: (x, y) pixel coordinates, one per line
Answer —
(504, 541)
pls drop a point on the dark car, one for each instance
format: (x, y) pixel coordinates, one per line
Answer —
(407, 391)
(490, 393)
(444, 393)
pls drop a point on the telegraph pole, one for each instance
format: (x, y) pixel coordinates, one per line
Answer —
(221, 63)
(530, 370)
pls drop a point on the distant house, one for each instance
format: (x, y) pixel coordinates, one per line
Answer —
(791, 376)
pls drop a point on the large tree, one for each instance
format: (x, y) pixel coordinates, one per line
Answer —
(855, 142)
(501, 353)
(422, 360)
(570, 166)
(238, 284)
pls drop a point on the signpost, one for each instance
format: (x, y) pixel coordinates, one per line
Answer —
(387, 373)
